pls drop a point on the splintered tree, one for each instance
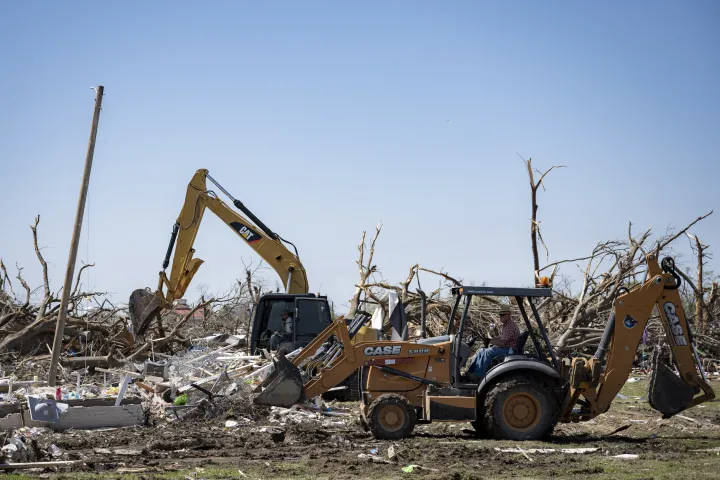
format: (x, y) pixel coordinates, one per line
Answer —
(535, 233)
(576, 319)
(100, 329)
(28, 326)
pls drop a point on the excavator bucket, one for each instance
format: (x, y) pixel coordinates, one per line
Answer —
(667, 392)
(144, 306)
(283, 387)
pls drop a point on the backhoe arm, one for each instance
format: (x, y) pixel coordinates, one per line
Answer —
(331, 358)
(599, 381)
(256, 234)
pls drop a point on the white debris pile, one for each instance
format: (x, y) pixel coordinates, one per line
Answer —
(317, 411)
(28, 445)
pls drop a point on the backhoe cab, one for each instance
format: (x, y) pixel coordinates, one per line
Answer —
(524, 394)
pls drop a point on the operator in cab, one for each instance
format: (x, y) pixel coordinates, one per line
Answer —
(287, 324)
(499, 346)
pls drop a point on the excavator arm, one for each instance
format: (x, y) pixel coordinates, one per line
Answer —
(600, 379)
(144, 306)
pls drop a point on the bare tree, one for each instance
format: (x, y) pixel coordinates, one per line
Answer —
(366, 268)
(610, 266)
(701, 254)
(535, 233)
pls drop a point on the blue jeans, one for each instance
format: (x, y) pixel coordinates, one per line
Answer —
(484, 358)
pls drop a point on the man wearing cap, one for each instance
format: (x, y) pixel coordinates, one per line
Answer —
(286, 334)
(500, 346)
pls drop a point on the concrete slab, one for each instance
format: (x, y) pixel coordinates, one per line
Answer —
(84, 418)
(10, 417)
(11, 422)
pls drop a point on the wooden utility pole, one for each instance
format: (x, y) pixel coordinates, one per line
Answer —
(77, 228)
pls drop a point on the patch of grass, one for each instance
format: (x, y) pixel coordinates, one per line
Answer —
(620, 469)
(640, 389)
(635, 389)
(12, 476)
(601, 467)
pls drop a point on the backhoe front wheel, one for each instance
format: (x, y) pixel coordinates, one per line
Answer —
(391, 417)
(520, 408)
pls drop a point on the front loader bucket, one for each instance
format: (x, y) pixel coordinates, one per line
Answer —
(283, 387)
(667, 392)
(144, 306)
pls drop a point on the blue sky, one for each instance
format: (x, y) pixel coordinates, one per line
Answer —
(328, 117)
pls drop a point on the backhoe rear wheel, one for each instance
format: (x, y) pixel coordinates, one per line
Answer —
(520, 408)
(391, 417)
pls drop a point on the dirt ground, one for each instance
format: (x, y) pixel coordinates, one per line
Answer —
(337, 448)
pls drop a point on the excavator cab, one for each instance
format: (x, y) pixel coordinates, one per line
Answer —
(309, 315)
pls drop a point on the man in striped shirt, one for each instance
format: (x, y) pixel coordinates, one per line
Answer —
(500, 346)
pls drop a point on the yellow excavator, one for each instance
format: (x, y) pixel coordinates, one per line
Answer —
(522, 396)
(310, 313)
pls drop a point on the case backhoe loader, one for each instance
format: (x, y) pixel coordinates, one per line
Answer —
(522, 396)
(311, 312)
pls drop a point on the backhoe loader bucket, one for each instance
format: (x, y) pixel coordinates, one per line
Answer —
(144, 306)
(667, 392)
(283, 387)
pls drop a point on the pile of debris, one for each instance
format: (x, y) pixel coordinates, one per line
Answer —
(213, 379)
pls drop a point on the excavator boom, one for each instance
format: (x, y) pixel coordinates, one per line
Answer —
(145, 306)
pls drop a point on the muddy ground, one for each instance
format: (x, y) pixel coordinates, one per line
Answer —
(337, 448)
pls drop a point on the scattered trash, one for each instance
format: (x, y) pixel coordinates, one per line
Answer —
(581, 450)
(373, 458)
(340, 441)
(627, 456)
(688, 419)
(126, 452)
(393, 453)
(620, 429)
(181, 400)
(54, 451)
(633, 380)
(411, 468)
(15, 450)
(231, 423)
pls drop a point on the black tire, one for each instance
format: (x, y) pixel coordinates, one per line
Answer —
(349, 394)
(520, 407)
(479, 428)
(363, 423)
(391, 417)
(352, 394)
